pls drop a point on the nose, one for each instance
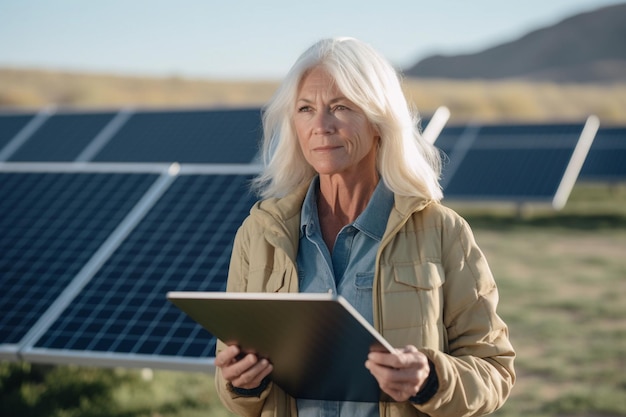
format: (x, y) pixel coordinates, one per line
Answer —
(323, 123)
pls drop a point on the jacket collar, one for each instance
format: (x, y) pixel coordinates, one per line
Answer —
(403, 208)
(280, 217)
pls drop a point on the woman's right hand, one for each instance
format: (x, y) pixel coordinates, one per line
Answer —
(246, 371)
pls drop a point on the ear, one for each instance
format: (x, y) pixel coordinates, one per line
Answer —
(376, 131)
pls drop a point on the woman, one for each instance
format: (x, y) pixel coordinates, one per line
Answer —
(350, 204)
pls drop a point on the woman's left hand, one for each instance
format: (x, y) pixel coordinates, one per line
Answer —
(400, 374)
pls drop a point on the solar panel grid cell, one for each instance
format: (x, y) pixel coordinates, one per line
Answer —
(198, 136)
(50, 225)
(62, 137)
(10, 125)
(183, 243)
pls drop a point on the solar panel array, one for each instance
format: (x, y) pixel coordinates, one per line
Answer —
(103, 213)
(88, 250)
(52, 223)
(516, 163)
(89, 256)
(147, 136)
(182, 243)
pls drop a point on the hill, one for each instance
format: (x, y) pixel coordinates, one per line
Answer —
(588, 47)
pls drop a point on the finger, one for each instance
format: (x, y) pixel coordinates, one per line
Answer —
(381, 372)
(383, 359)
(409, 349)
(399, 377)
(398, 383)
(398, 390)
(227, 356)
(254, 375)
(237, 367)
(407, 357)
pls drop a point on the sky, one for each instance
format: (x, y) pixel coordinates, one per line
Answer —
(252, 39)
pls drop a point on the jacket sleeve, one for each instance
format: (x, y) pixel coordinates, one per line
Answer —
(237, 277)
(476, 374)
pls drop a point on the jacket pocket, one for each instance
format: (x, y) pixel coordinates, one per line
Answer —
(424, 276)
(414, 304)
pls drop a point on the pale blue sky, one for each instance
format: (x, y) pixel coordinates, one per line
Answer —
(250, 39)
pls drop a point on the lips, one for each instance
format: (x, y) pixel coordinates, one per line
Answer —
(326, 148)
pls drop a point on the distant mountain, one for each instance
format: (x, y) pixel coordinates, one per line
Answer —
(588, 47)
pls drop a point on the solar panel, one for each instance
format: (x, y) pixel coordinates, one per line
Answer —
(10, 125)
(50, 225)
(183, 243)
(518, 163)
(606, 160)
(186, 136)
(62, 137)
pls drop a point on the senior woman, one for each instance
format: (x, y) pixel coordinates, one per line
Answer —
(350, 203)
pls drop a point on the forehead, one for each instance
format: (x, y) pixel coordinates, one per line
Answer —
(318, 80)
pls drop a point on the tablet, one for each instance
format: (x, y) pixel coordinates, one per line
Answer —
(317, 343)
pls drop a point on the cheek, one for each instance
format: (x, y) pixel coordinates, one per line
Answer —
(302, 149)
(300, 131)
(301, 142)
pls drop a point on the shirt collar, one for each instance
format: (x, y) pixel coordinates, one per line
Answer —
(368, 222)
(309, 209)
(373, 220)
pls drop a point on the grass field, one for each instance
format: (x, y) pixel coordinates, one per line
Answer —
(562, 280)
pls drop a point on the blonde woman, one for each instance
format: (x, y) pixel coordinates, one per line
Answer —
(350, 203)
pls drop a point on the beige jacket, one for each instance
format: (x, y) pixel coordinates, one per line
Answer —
(432, 289)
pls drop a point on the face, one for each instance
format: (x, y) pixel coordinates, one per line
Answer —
(334, 134)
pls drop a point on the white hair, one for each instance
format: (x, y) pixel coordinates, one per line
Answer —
(407, 163)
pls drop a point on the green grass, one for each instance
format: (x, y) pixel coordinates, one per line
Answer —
(562, 281)
(562, 278)
(171, 394)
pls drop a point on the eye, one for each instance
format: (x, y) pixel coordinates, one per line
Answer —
(340, 107)
(304, 109)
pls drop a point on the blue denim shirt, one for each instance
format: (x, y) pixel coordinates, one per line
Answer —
(348, 271)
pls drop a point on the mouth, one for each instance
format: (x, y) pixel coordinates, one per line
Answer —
(327, 148)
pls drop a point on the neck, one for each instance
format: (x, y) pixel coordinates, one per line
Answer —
(344, 198)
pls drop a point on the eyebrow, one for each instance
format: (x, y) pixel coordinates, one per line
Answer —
(332, 101)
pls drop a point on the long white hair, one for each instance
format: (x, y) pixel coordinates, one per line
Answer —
(407, 163)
